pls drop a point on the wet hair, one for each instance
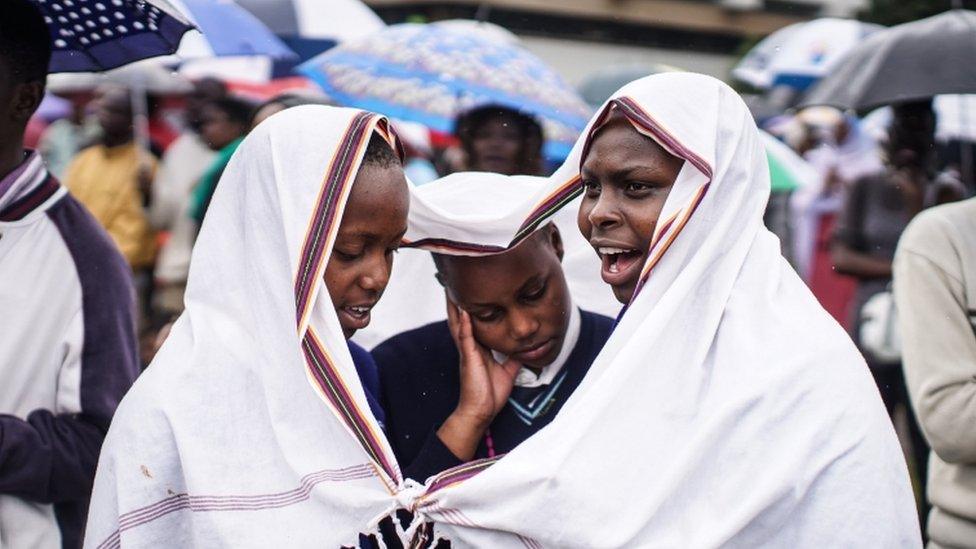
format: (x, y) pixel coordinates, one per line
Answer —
(379, 153)
(25, 42)
(530, 133)
(237, 111)
(911, 136)
(287, 101)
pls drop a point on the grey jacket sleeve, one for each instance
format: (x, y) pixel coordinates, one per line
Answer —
(938, 343)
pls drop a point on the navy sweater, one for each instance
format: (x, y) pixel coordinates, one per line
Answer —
(420, 386)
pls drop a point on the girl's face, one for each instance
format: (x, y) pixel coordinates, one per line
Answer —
(518, 300)
(626, 178)
(496, 145)
(373, 224)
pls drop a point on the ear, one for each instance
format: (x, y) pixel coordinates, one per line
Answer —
(441, 279)
(556, 240)
(27, 97)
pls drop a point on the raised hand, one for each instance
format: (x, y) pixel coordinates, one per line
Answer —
(485, 386)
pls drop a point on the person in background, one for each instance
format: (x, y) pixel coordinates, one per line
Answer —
(935, 295)
(63, 138)
(224, 123)
(182, 166)
(876, 210)
(107, 177)
(281, 102)
(841, 152)
(68, 344)
(500, 140)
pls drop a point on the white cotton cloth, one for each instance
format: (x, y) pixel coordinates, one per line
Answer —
(414, 298)
(227, 440)
(727, 408)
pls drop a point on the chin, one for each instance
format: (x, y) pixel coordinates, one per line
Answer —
(624, 293)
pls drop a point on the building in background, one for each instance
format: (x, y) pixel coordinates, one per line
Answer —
(581, 37)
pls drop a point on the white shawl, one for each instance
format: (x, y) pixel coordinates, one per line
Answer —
(251, 428)
(727, 409)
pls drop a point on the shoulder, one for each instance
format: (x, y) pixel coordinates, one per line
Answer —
(96, 258)
(413, 349)
(598, 325)
(934, 232)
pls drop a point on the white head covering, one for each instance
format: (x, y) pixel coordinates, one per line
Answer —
(414, 298)
(251, 428)
(727, 408)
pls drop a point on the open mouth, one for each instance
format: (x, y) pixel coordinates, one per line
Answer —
(355, 316)
(619, 264)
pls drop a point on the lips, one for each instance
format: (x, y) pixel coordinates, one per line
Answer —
(535, 352)
(355, 317)
(621, 264)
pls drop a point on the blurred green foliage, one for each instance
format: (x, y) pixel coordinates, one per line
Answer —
(895, 12)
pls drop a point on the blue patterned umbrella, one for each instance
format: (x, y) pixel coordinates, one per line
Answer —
(431, 73)
(97, 35)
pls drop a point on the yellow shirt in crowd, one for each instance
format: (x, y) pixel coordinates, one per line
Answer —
(106, 181)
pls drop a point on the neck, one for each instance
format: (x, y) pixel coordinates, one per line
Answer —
(11, 156)
(116, 140)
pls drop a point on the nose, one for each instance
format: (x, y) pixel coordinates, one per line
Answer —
(604, 213)
(522, 324)
(376, 275)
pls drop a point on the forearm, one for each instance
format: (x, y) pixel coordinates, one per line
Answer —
(462, 434)
(48, 458)
(854, 263)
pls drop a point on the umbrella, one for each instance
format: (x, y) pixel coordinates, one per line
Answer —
(149, 75)
(787, 170)
(431, 73)
(310, 27)
(227, 29)
(96, 36)
(799, 54)
(955, 117)
(599, 86)
(916, 60)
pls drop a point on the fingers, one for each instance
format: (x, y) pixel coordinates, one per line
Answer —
(453, 320)
(511, 368)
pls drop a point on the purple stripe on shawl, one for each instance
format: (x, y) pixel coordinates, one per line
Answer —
(461, 473)
(324, 215)
(338, 394)
(438, 244)
(179, 502)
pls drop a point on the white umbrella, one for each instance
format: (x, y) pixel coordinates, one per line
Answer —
(310, 27)
(799, 54)
(149, 74)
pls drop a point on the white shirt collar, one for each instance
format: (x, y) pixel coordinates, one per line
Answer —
(528, 378)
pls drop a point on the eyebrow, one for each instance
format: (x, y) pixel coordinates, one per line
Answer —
(536, 278)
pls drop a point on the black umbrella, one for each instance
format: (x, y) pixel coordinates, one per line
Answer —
(916, 60)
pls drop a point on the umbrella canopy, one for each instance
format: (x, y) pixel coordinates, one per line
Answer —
(787, 170)
(227, 29)
(599, 86)
(955, 118)
(797, 55)
(310, 27)
(916, 60)
(148, 75)
(97, 36)
(431, 73)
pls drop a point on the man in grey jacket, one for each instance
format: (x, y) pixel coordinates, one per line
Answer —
(935, 294)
